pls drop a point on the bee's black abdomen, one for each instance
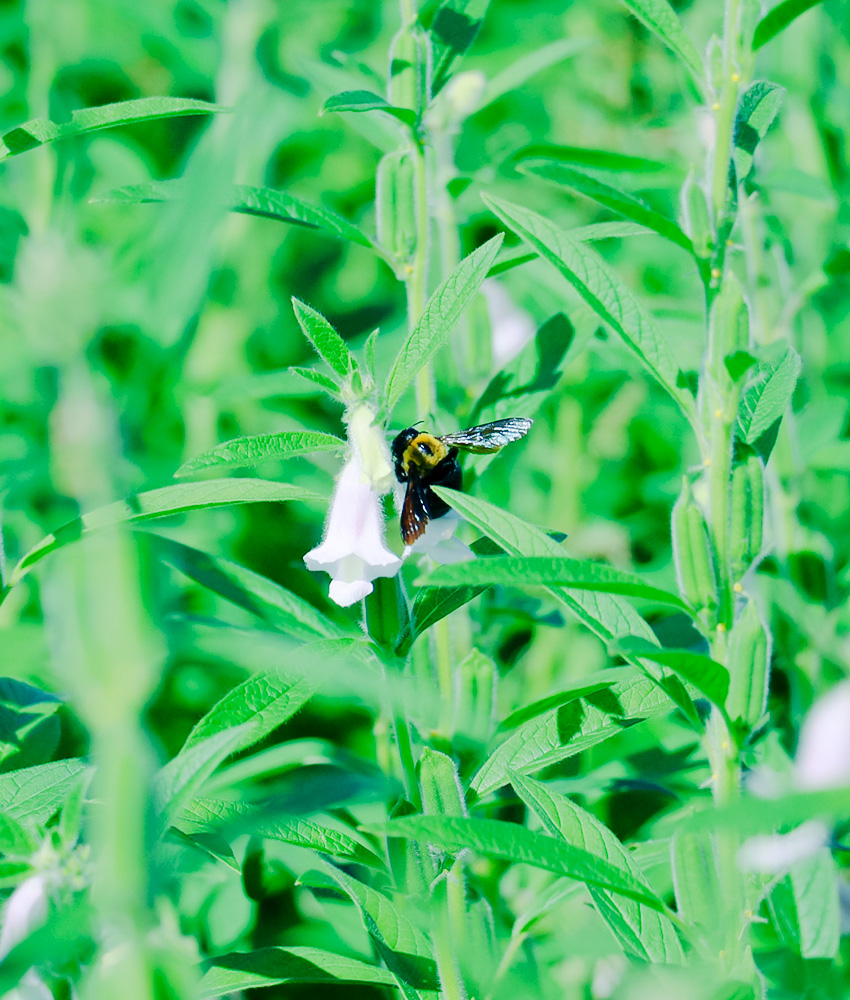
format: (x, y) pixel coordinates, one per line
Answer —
(449, 474)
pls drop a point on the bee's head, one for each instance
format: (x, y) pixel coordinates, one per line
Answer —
(402, 441)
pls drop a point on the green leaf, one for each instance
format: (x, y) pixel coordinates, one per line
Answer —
(176, 782)
(365, 100)
(607, 615)
(453, 31)
(623, 204)
(237, 818)
(644, 934)
(431, 605)
(436, 323)
(603, 291)
(707, 676)
(765, 401)
(248, 199)
(498, 839)
(579, 574)
(158, 503)
(663, 21)
(33, 794)
(257, 594)
(276, 965)
(16, 839)
(40, 130)
(815, 886)
(527, 66)
(570, 728)
(399, 942)
(330, 347)
(756, 112)
(592, 159)
(259, 447)
(778, 19)
(316, 379)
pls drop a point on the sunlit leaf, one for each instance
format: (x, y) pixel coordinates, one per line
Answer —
(259, 447)
(330, 347)
(365, 100)
(512, 842)
(160, 502)
(779, 18)
(765, 401)
(275, 966)
(40, 130)
(664, 23)
(441, 314)
(645, 934)
(757, 110)
(34, 794)
(603, 291)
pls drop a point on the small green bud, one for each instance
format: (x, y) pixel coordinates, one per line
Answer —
(728, 327)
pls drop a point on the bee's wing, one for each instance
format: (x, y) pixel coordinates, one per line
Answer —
(489, 437)
(414, 512)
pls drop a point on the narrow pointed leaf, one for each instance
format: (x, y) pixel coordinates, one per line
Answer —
(603, 291)
(234, 818)
(580, 574)
(257, 594)
(441, 314)
(365, 100)
(569, 729)
(40, 130)
(259, 447)
(779, 18)
(644, 934)
(757, 110)
(399, 942)
(249, 199)
(708, 676)
(765, 401)
(331, 348)
(607, 615)
(814, 882)
(664, 23)
(276, 966)
(627, 205)
(592, 159)
(453, 30)
(496, 838)
(159, 503)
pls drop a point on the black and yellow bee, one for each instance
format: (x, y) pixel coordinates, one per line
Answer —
(424, 460)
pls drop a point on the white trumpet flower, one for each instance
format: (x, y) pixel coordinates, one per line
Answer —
(353, 551)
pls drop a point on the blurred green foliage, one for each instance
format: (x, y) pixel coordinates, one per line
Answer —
(134, 337)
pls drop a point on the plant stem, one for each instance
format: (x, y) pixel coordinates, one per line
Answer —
(417, 282)
(724, 109)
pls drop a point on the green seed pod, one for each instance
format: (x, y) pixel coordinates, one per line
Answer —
(749, 667)
(395, 204)
(410, 70)
(692, 554)
(747, 515)
(439, 783)
(695, 217)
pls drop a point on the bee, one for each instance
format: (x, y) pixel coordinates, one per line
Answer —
(424, 460)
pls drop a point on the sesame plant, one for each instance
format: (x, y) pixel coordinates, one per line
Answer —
(585, 731)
